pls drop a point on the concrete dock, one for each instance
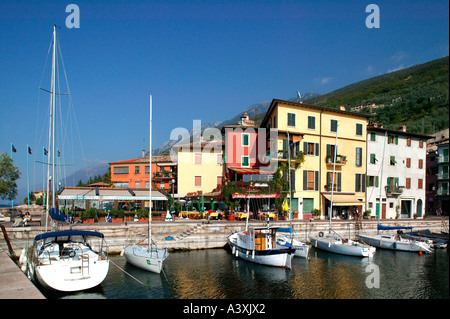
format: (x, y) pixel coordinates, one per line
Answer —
(13, 282)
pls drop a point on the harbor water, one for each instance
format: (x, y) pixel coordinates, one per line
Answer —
(217, 274)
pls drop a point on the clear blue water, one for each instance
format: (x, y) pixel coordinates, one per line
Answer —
(216, 274)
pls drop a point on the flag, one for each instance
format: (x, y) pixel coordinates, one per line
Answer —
(13, 148)
(45, 152)
(59, 154)
(285, 205)
(29, 150)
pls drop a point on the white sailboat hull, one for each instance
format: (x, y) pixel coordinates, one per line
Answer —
(390, 242)
(149, 260)
(301, 249)
(70, 276)
(270, 257)
(337, 246)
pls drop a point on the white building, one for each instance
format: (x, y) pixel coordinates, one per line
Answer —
(396, 170)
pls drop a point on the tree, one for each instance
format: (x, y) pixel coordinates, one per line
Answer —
(8, 176)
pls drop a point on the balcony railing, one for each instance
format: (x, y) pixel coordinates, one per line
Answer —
(443, 192)
(443, 175)
(394, 190)
(340, 159)
(443, 159)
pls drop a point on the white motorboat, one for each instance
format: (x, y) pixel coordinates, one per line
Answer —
(258, 245)
(285, 240)
(69, 260)
(396, 242)
(338, 245)
(150, 257)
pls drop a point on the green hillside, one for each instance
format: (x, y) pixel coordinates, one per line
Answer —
(416, 96)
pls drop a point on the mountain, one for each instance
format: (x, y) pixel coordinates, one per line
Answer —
(416, 97)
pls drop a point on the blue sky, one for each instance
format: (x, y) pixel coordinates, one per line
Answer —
(204, 60)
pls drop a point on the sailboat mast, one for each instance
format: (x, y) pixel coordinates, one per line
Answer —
(381, 176)
(150, 181)
(332, 182)
(53, 89)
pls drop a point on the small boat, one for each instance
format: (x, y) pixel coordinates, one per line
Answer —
(68, 260)
(339, 245)
(395, 242)
(149, 257)
(258, 245)
(284, 240)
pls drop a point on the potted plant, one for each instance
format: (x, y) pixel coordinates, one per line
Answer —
(367, 214)
(117, 216)
(89, 216)
(316, 213)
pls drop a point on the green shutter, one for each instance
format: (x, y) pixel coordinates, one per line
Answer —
(317, 149)
(316, 180)
(305, 180)
(339, 182)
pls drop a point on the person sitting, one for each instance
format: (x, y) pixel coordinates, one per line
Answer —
(26, 219)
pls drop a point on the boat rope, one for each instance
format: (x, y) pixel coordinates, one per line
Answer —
(129, 274)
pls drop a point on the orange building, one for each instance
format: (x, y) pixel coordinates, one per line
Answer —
(134, 173)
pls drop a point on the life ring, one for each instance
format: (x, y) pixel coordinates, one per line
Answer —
(321, 234)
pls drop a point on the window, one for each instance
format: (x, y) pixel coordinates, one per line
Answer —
(308, 205)
(421, 163)
(333, 125)
(120, 185)
(392, 161)
(198, 158)
(360, 182)
(118, 170)
(337, 181)
(147, 169)
(244, 161)
(311, 148)
(310, 180)
(408, 183)
(392, 139)
(420, 183)
(136, 169)
(291, 119)
(421, 143)
(373, 159)
(137, 184)
(312, 122)
(219, 180)
(408, 162)
(219, 159)
(245, 138)
(373, 136)
(408, 141)
(359, 129)
(197, 181)
(372, 181)
(358, 160)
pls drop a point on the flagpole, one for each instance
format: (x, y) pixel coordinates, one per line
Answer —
(28, 177)
(12, 151)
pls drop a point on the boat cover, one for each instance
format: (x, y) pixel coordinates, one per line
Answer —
(285, 230)
(56, 214)
(381, 227)
(71, 232)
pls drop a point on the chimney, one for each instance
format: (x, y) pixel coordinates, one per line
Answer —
(143, 153)
(342, 107)
(402, 128)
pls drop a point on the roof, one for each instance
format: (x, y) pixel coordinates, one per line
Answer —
(328, 109)
(380, 129)
(257, 170)
(89, 193)
(145, 160)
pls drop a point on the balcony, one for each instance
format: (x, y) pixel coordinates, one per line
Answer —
(164, 175)
(340, 160)
(392, 190)
(442, 176)
(443, 159)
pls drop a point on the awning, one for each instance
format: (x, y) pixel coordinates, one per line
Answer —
(121, 194)
(241, 170)
(344, 200)
(246, 196)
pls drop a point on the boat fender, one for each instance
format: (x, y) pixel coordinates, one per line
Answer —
(253, 254)
(395, 245)
(237, 252)
(233, 250)
(122, 252)
(24, 265)
(321, 234)
(22, 255)
(246, 254)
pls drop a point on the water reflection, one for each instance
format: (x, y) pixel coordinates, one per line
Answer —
(217, 274)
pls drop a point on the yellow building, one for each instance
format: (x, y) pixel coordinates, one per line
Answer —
(311, 131)
(199, 169)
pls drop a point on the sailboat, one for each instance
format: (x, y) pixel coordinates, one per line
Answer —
(335, 243)
(389, 241)
(258, 245)
(67, 260)
(149, 257)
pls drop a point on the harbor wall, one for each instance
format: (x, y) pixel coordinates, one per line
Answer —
(202, 234)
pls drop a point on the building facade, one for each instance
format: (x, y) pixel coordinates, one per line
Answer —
(308, 137)
(443, 206)
(396, 171)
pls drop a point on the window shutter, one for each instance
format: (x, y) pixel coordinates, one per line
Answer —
(305, 147)
(363, 180)
(339, 182)
(376, 181)
(316, 181)
(305, 180)
(317, 149)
